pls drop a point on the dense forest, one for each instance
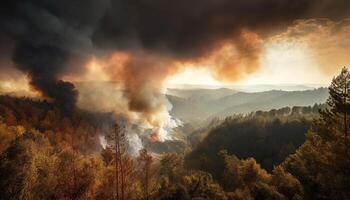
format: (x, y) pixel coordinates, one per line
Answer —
(290, 153)
(269, 137)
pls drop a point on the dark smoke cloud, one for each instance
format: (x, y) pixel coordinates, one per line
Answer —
(191, 28)
(49, 35)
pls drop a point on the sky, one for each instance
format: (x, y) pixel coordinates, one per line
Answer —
(287, 66)
(281, 64)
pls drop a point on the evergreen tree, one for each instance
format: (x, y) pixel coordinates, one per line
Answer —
(322, 163)
(338, 101)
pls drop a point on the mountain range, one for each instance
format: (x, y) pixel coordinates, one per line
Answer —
(198, 104)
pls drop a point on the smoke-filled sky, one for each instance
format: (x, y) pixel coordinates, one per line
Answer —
(146, 44)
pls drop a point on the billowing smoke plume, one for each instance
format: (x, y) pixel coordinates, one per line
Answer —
(48, 36)
(142, 42)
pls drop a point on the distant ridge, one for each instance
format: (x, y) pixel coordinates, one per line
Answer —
(250, 88)
(194, 105)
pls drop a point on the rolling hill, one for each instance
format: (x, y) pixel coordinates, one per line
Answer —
(193, 105)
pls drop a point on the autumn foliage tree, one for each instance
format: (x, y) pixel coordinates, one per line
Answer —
(145, 161)
(28, 168)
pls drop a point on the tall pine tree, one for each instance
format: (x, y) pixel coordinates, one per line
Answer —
(336, 118)
(322, 163)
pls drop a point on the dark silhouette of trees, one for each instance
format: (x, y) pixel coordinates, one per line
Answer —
(338, 100)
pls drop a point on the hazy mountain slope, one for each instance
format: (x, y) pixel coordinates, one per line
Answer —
(276, 99)
(242, 98)
(187, 110)
(267, 87)
(201, 94)
(189, 107)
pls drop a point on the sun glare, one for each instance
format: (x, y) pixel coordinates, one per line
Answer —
(281, 63)
(288, 63)
(193, 76)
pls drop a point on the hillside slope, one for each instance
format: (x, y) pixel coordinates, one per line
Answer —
(191, 108)
(268, 137)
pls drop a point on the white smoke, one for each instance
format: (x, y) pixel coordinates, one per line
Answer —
(109, 97)
(103, 141)
(135, 143)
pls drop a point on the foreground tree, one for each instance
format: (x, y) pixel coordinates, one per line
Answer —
(322, 163)
(28, 168)
(117, 141)
(123, 164)
(178, 183)
(336, 118)
(145, 161)
(245, 179)
(78, 176)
